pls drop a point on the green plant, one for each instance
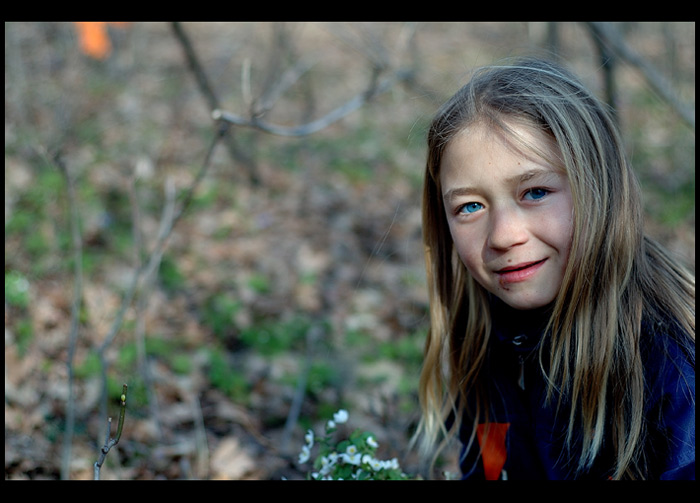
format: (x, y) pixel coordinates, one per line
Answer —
(24, 334)
(170, 275)
(353, 458)
(89, 367)
(272, 337)
(225, 378)
(408, 350)
(218, 314)
(16, 289)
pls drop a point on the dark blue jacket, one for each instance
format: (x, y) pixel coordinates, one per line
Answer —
(532, 436)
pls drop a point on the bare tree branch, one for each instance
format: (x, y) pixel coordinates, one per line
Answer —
(367, 43)
(658, 82)
(321, 123)
(207, 91)
(170, 217)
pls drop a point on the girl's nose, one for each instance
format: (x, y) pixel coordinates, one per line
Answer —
(506, 229)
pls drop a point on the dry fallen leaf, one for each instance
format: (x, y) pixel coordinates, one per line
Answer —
(230, 461)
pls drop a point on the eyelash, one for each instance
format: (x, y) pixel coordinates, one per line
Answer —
(540, 189)
(544, 192)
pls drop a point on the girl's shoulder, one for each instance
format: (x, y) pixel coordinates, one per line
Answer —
(663, 340)
(668, 355)
(668, 358)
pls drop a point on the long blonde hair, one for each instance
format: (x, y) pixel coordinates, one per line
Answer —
(615, 275)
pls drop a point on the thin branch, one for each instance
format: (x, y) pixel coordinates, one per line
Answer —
(246, 88)
(111, 442)
(195, 67)
(314, 126)
(142, 302)
(75, 315)
(363, 41)
(168, 221)
(290, 77)
(369, 45)
(313, 335)
(656, 80)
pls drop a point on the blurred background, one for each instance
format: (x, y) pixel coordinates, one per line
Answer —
(248, 291)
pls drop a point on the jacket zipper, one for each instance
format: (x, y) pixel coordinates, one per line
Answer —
(521, 377)
(517, 342)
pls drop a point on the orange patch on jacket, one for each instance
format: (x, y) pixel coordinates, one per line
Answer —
(492, 440)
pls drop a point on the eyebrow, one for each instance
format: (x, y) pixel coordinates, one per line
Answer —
(513, 180)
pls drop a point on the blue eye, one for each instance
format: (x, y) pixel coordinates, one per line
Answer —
(536, 193)
(470, 207)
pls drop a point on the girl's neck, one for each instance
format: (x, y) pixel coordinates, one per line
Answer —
(509, 322)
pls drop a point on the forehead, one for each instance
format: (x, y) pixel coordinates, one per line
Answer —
(508, 149)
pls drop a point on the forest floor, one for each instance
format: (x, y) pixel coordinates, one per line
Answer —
(302, 289)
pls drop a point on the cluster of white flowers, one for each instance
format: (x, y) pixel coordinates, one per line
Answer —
(350, 459)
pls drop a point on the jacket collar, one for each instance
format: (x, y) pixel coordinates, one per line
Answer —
(522, 330)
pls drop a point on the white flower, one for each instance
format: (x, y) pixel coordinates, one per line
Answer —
(351, 450)
(305, 454)
(327, 463)
(352, 459)
(326, 466)
(309, 438)
(372, 442)
(330, 425)
(376, 465)
(341, 416)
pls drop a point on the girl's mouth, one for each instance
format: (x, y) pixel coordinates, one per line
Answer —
(520, 272)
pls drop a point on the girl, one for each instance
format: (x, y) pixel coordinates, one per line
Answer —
(562, 340)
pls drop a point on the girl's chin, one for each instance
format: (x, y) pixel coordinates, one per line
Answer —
(523, 303)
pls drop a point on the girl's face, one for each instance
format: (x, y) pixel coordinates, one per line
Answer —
(510, 214)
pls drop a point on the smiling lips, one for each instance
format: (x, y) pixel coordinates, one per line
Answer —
(520, 272)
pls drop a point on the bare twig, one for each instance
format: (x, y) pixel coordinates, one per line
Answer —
(141, 305)
(281, 49)
(287, 80)
(313, 335)
(75, 315)
(111, 441)
(363, 40)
